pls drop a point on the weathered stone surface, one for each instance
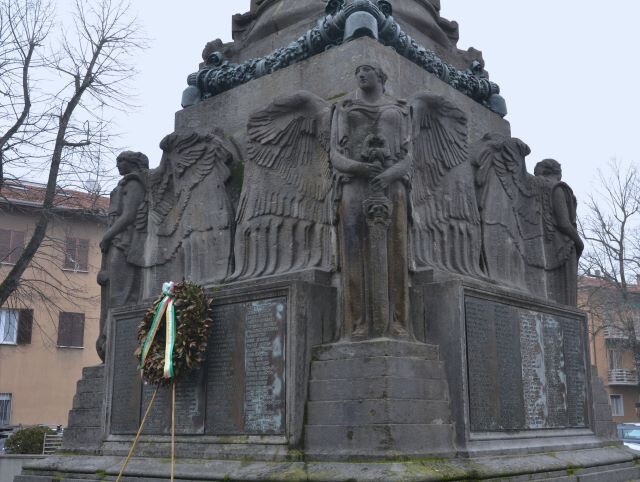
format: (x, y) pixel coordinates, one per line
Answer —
(593, 464)
(479, 342)
(366, 388)
(355, 368)
(377, 425)
(527, 369)
(86, 426)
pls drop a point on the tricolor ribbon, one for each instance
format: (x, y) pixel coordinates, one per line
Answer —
(166, 307)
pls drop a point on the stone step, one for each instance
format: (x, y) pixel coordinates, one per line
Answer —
(378, 440)
(376, 388)
(92, 385)
(88, 400)
(375, 348)
(359, 368)
(93, 372)
(85, 417)
(373, 412)
(81, 437)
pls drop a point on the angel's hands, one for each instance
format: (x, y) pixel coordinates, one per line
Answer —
(382, 181)
(368, 170)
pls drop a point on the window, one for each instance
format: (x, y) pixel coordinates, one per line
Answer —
(71, 330)
(15, 327)
(5, 409)
(615, 359)
(11, 245)
(617, 407)
(76, 256)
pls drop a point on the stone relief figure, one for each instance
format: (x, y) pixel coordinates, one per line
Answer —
(285, 209)
(446, 230)
(190, 211)
(371, 154)
(562, 243)
(503, 198)
(122, 245)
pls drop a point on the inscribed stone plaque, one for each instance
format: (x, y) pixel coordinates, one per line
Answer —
(555, 372)
(533, 371)
(529, 364)
(189, 409)
(125, 400)
(576, 370)
(225, 371)
(246, 368)
(509, 360)
(482, 365)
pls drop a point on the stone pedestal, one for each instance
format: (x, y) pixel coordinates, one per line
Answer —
(85, 431)
(377, 399)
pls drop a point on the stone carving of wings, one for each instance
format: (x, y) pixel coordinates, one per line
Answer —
(446, 223)
(509, 211)
(285, 210)
(190, 211)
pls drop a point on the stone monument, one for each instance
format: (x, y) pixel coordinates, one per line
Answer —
(394, 294)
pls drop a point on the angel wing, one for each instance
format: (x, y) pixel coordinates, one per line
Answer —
(510, 216)
(284, 213)
(190, 208)
(446, 219)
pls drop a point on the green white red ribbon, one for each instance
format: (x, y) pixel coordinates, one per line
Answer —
(166, 307)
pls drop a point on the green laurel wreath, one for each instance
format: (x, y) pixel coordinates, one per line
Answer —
(194, 319)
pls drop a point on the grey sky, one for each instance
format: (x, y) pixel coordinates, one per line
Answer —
(566, 67)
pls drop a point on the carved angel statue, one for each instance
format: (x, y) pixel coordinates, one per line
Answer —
(372, 158)
(561, 242)
(122, 245)
(510, 214)
(446, 222)
(191, 214)
(284, 214)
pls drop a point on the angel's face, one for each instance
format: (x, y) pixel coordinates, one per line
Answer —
(125, 166)
(367, 77)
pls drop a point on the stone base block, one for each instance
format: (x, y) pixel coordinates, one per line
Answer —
(85, 430)
(377, 399)
(611, 464)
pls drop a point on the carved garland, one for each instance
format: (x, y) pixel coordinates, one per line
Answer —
(188, 317)
(220, 75)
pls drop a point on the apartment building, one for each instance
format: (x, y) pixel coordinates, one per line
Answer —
(612, 324)
(48, 329)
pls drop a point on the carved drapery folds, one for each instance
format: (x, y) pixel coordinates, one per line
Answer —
(284, 214)
(370, 188)
(190, 210)
(122, 245)
(529, 235)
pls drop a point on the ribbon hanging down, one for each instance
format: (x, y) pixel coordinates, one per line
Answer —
(166, 310)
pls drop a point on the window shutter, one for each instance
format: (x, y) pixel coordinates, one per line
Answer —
(71, 330)
(82, 251)
(17, 246)
(5, 245)
(77, 333)
(25, 327)
(70, 254)
(63, 329)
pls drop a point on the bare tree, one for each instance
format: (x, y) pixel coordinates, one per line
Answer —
(61, 130)
(611, 229)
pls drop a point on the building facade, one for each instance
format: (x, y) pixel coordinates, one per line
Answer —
(613, 324)
(49, 327)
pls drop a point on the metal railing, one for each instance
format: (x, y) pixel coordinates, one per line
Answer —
(52, 443)
(614, 333)
(621, 376)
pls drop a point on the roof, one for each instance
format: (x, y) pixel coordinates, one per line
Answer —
(31, 194)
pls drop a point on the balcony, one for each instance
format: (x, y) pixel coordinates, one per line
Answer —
(614, 333)
(622, 376)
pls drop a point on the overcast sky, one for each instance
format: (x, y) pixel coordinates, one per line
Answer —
(567, 69)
